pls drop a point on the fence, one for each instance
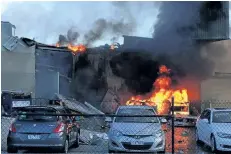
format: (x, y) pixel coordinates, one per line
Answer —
(98, 135)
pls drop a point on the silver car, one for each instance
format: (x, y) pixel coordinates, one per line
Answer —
(136, 134)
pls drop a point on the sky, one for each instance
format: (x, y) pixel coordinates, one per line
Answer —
(44, 21)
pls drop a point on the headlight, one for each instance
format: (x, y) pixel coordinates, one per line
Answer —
(158, 133)
(116, 133)
(223, 135)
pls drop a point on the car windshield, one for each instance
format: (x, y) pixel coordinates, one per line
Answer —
(25, 117)
(222, 117)
(136, 119)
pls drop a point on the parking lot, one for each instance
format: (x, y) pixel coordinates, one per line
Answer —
(184, 142)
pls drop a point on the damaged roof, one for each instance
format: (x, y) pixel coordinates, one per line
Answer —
(84, 108)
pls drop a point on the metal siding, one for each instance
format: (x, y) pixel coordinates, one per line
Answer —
(56, 60)
(46, 83)
(64, 86)
(53, 68)
(218, 30)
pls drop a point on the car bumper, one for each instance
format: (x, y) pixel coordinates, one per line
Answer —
(149, 145)
(223, 144)
(20, 141)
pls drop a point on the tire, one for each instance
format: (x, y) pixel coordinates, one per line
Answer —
(12, 150)
(65, 147)
(213, 144)
(76, 144)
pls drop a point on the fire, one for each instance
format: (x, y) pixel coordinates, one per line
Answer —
(74, 48)
(161, 96)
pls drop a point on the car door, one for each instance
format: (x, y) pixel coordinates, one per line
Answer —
(200, 125)
(207, 127)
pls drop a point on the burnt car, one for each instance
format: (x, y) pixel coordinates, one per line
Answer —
(43, 131)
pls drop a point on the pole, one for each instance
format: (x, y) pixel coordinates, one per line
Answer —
(173, 139)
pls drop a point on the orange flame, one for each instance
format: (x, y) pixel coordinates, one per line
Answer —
(74, 48)
(161, 96)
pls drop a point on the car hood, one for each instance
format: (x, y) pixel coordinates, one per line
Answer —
(136, 128)
(222, 127)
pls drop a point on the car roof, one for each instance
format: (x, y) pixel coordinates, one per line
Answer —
(56, 107)
(136, 107)
(219, 109)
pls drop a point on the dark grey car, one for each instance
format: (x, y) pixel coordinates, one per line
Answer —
(33, 131)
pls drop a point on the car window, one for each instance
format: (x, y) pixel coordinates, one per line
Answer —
(25, 117)
(136, 111)
(221, 117)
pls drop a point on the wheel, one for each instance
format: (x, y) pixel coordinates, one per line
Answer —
(12, 150)
(76, 144)
(65, 147)
(198, 141)
(213, 144)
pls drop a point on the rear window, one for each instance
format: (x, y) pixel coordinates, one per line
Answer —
(26, 117)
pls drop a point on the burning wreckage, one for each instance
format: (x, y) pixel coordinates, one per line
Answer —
(161, 98)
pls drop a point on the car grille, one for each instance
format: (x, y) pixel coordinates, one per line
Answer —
(137, 136)
(137, 147)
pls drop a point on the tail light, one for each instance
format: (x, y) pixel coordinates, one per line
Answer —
(12, 128)
(59, 128)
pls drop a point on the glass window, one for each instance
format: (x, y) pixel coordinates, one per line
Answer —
(136, 119)
(221, 117)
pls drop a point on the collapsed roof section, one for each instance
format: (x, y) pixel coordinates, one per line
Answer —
(84, 108)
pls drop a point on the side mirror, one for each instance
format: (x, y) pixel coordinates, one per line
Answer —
(206, 120)
(163, 121)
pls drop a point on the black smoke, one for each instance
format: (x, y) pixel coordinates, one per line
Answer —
(174, 46)
(103, 27)
(71, 37)
(176, 32)
(138, 70)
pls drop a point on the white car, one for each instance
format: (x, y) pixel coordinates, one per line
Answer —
(136, 134)
(213, 128)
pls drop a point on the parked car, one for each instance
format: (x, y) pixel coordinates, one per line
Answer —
(136, 134)
(36, 131)
(213, 128)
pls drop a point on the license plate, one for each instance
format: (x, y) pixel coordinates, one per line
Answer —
(137, 143)
(34, 137)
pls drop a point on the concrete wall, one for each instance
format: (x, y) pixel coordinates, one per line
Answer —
(217, 88)
(18, 69)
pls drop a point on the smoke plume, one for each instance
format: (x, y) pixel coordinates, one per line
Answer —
(175, 32)
(71, 37)
(175, 46)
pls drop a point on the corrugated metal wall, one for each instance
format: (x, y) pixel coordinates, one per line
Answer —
(218, 29)
(53, 72)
